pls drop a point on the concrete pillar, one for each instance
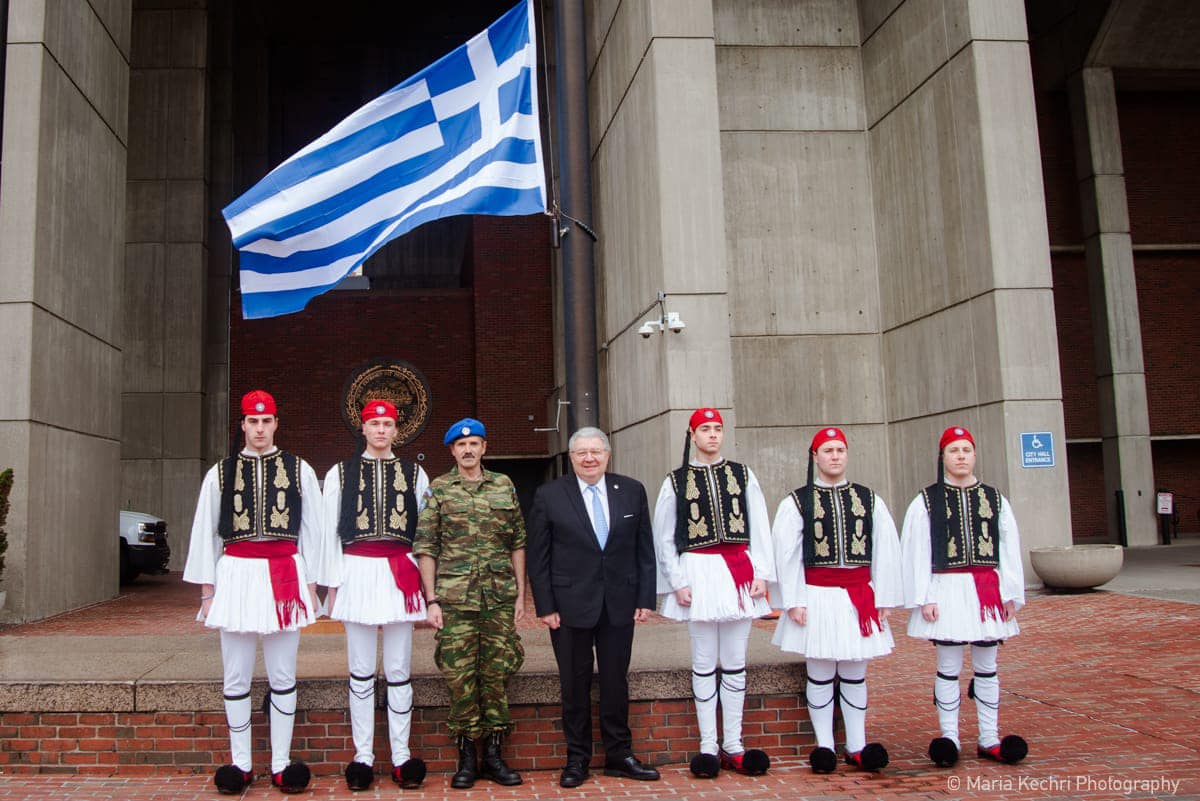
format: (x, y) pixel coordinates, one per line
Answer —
(1116, 325)
(965, 286)
(62, 224)
(659, 212)
(166, 267)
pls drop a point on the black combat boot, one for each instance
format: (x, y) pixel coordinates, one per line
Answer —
(493, 766)
(468, 764)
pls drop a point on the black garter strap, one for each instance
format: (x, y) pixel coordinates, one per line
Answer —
(269, 702)
(730, 687)
(942, 675)
(245, 725)
(820, 683)
(411, 702)
(366, 692)
(238, 697)
(991, 675)
(697, 698)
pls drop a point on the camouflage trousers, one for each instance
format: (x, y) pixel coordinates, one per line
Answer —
(477, 652)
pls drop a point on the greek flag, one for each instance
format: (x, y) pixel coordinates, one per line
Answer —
(460, 137)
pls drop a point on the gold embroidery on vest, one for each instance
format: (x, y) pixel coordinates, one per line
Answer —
(951, 548)
(241, 518)
(731, 485)
(400, 484)
(279, 518)
(697, 529)
(397, 520)
(859, 546)
(362, 483)
(693, 492)
(985, 507)
(986, 547)
(820, 544)
(281, 476)
(238, 484)
(363, 521)
(856, 505)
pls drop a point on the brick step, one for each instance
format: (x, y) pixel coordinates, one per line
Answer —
(144, 727)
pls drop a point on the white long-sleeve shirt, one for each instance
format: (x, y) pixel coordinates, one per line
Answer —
(918, 563)
(332, 512)
(206, 545)
(788, 534)
(671, 576)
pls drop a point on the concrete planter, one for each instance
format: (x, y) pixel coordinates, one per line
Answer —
(1077, 567)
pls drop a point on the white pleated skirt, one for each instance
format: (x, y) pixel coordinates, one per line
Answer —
(958, 613)
(831, 630)
(243, 600)
(714, 596)
(369, 596)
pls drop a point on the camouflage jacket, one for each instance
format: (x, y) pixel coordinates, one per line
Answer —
(471, 528)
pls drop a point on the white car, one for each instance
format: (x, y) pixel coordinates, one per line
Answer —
(142, 539)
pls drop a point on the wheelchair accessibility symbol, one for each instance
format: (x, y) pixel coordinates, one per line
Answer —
(1037, 449)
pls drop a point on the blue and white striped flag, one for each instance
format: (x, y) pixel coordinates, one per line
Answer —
(460, 137)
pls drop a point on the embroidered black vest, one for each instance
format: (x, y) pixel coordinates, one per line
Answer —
(710, 505)
(260, 497)
(842, 521)
(364, 516)
(972, 532)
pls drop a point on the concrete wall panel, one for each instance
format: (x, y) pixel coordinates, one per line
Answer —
(73, 378)
(16, 362)
(144, 335)
(800, 233)
(789, 88)
(909, 47)
(181, 480)
(785, 22)
(808, 381)
(930, 364)
(873, 13)
(779, 457)
(74, 484)
(83, 48)
(183, 317)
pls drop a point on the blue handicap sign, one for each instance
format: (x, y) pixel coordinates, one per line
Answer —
(1037, 449)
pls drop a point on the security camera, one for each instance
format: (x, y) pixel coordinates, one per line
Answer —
(646, 329)
(674, 323)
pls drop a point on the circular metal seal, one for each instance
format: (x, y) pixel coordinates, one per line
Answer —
(390, 380)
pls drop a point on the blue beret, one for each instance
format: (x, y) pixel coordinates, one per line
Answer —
(466, 427)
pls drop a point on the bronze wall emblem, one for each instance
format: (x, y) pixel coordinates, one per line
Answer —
(391, 380)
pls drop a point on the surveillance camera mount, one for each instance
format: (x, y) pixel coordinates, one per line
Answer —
(667, 321)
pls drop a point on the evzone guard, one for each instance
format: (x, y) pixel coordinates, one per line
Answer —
(964, 580)
(837, 556)
(712, 539)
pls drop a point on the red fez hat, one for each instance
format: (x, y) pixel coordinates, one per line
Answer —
(378, 408)
(954, 433)
(702, 416)
(828, 435)
(258, 402)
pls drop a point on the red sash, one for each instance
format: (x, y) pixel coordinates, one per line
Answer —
(737, 560)
(408, 578)
(856, 581)
(285, 581)
(987, 589)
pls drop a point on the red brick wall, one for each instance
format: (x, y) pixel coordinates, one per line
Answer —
(486, 351)
(1085, 474)
(1058, 168)
(137, 743)
(1168, 287)
(1175, 470)
(1076, 349)
(1162, 162)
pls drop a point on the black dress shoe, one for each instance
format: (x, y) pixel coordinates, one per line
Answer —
(630, 768)
(573, 775)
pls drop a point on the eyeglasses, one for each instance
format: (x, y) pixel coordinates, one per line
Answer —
(594, 453)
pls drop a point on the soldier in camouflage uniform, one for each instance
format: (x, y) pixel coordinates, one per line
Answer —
(471, 545)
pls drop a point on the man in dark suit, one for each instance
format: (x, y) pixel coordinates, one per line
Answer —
(592, 570)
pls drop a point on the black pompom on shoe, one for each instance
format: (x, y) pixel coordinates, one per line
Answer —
(705, 766)
(1010, 750)
(359, 776)
(873, 757)
(292, 779)
(822, 760)
(756, 762)
(409, 775)
(231, 780)
(943, 752)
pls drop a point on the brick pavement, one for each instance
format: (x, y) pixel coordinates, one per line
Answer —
(1108, 709)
